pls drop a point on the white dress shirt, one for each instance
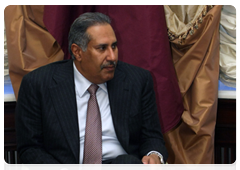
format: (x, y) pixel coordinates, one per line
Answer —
(111, 147)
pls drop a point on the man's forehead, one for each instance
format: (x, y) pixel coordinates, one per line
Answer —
(98, 32)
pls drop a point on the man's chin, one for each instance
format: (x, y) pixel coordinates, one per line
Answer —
(109, 77)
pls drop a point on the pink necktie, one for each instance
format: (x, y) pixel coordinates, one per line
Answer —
(93, 131)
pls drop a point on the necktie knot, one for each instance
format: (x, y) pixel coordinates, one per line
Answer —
(93, 88)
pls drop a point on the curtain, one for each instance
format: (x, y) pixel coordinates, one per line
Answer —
(194, 36)
(6, 72)
(228, 46)
(142, 41)
(29, 44)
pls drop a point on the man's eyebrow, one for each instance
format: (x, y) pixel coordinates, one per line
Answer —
(101, 45)
(115, 43)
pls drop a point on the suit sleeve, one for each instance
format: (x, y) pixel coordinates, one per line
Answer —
(151, 136)
(29, 126)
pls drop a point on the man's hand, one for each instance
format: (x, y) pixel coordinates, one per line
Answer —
(151, 159)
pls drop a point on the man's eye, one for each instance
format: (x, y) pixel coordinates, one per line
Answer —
(102, 48)
(114, 46)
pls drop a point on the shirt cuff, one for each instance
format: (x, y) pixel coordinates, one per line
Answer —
(158, 154)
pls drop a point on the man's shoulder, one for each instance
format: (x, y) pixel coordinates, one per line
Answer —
(49, 68)
(46, 72)
(134, 75)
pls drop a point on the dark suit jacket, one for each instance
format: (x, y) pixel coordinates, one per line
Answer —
(47, 120)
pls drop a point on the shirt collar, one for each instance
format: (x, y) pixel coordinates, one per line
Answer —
(82, 84)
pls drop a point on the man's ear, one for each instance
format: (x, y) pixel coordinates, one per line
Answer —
(77, 51)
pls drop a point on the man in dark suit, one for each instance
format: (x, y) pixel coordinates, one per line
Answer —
(52, 104)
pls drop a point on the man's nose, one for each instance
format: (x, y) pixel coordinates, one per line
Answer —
(112, 54)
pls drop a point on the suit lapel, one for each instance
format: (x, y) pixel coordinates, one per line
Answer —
(64, 101)
(119, 98)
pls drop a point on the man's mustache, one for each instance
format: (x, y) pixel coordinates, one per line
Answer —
(110, 63)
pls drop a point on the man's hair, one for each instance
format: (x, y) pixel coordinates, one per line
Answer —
(78, 31)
